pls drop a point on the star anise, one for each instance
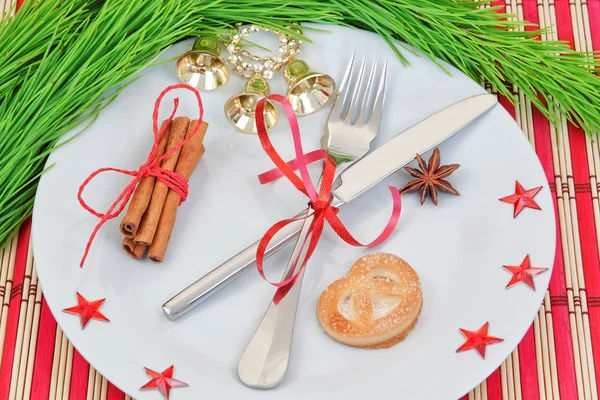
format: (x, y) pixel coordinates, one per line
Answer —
(430, 178)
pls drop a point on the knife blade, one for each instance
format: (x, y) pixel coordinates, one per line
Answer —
(358, 178)
(402, 149)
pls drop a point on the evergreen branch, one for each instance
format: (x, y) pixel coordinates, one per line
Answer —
(482, 42)
(24, 48)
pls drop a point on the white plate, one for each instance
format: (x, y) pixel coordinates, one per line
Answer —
(457, 248)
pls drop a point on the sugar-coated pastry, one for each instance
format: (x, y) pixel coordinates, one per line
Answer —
(375, 306)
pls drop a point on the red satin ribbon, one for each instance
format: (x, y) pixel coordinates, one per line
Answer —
(151, 167)
(319, 201)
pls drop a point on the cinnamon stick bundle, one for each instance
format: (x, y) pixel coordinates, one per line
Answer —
(149, 223)
(143, 193)
(190, 155)
(151, 215)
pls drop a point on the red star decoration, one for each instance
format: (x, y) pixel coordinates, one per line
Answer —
(478, 340)
(163, 381)
(87, 310)
(522, 198)
(523, 273)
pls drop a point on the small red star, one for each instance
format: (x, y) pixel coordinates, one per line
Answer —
(523, 273)
(477, 340)
(522, 198)
(87, 310)
(163, 381)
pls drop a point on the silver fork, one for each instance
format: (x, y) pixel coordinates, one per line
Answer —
(352, 126)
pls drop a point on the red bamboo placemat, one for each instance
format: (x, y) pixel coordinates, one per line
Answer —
(555, 359)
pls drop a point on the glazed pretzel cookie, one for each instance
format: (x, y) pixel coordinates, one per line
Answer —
(375, 305)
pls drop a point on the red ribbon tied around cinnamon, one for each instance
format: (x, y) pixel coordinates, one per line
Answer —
(151, 167)
(320, 201)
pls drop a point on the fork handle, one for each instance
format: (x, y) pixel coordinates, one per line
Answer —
(231, 269)
(265, 360)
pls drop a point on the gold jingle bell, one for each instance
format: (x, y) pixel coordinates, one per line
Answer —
(307, 91)
(202, 67)
(240, 109)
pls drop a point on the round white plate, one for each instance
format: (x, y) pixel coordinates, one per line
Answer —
(457, 248)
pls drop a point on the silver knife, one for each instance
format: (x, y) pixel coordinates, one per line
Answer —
(358, 178)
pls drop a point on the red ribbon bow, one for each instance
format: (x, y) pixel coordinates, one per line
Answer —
(319, 201)
(151, 167)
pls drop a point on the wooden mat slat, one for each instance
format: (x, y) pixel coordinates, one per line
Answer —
(44, 354)
(556, 358)
(590, 216)
(79, 376)
(27, 383)
(541, 358)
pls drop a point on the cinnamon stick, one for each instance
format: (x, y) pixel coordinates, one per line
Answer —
(191, 153)
(134, 250)
(147, 229)
(143, 193)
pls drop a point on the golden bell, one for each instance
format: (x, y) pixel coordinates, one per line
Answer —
(307, 91)
(240, 109)
(202, 67)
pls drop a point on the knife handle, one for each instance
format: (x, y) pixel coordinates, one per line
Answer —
(225, 273)
(210, 283)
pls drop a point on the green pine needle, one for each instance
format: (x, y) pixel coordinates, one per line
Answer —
(59, 57)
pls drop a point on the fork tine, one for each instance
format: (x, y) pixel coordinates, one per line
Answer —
(375, 117)
(355, 90)
(342, 97)
(367, 97)
(362, 92)
(347, 74)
